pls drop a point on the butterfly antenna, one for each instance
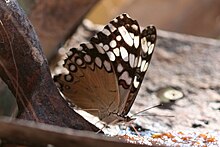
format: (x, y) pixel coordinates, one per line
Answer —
(147, 109)
(156, 115)
(100, 130)
(136, 131)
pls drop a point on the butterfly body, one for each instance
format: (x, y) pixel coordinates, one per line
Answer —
(106, 73)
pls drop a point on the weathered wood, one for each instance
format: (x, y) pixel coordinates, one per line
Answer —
(24, 68)
(8, 105)
(32, 134)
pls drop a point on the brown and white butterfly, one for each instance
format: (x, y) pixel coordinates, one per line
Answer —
(106, 73)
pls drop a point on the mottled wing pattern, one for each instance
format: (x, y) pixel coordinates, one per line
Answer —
(147, 44)
(91, 82)
(130, 52)
(106, 73)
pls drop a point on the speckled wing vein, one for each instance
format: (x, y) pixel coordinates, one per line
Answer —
(106, 74)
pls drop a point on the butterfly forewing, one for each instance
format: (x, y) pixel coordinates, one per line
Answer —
(121, 40)
(108, 71)
(127, 48)
(147, 43)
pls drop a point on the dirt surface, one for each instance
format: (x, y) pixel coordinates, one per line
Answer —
(190, 65)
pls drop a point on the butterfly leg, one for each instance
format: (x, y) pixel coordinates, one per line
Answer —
(136, 131)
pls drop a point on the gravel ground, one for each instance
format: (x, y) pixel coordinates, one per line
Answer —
(191, 66)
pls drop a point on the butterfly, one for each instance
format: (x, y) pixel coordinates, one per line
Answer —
(105, 74)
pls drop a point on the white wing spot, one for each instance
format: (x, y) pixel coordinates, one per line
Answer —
(107, 65)
(111, 56)
(79, 61)
(70, 53)
(116, 51)
(89, 45)
(115, 20)
(7, 1)
(101, 44)
(118, 38)
(80, 48)
(143, 65)
(113, 43)
(135, 27)
(135, 82)
(132, 35)
(144, 45)
(100, 49)
(124, 53)
(87, 58)
(125, 76)
(98, 62)
(106, 47)
(112, 28)
(136, 41)
(72, 67)
(125, 35)
(106, 32)
(95, 36)
(121, 16)
(119, 68)
(127, 15)
(151, 48)
(68, 77)
(136, 62)
(139, 61)
(146, 66)
(131, 60)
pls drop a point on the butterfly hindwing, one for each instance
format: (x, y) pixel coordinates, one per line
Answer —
(90, 77)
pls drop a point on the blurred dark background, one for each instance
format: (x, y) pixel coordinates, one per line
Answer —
(195, 17)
